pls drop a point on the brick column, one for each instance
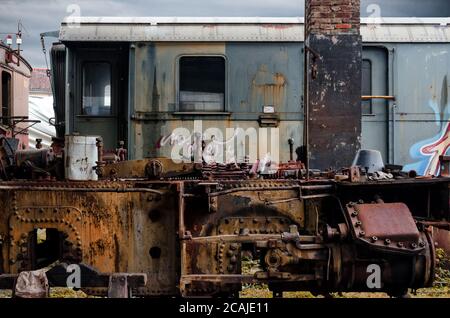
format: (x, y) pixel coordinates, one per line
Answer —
(332, 82)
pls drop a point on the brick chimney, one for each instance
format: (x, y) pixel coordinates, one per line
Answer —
(332, 82)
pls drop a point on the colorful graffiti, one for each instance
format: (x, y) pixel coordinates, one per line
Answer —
(428, 151)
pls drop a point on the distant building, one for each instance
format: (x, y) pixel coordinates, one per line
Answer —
(40, 107)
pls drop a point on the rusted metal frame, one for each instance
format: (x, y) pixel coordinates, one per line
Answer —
(252, 189)
(243, 279)
(316, 196)
(134, 280)
(249, 238)
(300, 187)
(282, 201)
(444, 225)
(118, 190)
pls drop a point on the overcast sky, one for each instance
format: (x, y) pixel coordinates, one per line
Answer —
(45, 15)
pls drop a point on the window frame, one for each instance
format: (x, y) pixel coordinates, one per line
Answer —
(80, 111)
(371, 113)
(7, 121)
(178, 110)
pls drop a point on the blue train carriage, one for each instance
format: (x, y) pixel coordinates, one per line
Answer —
(210, 74)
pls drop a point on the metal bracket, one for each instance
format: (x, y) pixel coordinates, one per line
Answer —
(118, 286)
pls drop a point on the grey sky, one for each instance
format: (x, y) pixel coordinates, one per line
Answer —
(39, 16)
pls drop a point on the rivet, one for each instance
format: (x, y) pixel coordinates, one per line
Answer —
(358, 223)
(387, 241)
(362, 233)
(374, 238)
(400, 244)
(421, 244)
(233, 259)
(354, 213)
(413, 245)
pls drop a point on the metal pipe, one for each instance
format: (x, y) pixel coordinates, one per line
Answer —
(181, 226)
(367, 97)
(253, 189)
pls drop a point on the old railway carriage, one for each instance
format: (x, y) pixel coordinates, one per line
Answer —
(166, 73)
(169, 89)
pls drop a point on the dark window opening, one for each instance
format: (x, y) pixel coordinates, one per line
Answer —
(202, 83)
(45, 247)
(6, 97)
(96, 89)
(366, 87)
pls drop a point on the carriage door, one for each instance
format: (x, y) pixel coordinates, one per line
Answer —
(374, 110)
(101, 95)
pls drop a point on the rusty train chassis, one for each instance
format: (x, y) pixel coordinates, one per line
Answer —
(313, 234)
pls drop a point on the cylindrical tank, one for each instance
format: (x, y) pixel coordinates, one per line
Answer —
(80, 157)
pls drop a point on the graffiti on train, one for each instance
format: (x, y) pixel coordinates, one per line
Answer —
(427, 152)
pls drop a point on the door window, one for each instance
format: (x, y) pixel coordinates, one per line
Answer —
(96, 85)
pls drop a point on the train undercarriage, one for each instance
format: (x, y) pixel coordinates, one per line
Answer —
(187, 229)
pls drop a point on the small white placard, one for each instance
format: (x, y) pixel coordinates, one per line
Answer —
(268, 109)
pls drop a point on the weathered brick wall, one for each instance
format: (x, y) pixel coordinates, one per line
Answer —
(332, 16)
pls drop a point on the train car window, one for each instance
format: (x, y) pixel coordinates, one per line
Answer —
(202, 83)
(6, 97)
(96, 89)
(366, 87)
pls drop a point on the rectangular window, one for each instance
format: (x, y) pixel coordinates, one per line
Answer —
(96, 89)
(6, 97)
(366, 87)
(202, 83)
